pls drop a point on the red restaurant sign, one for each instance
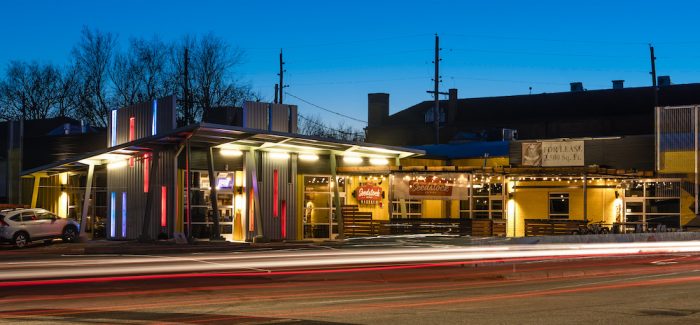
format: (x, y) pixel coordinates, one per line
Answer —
(430, 187)
(369, 193)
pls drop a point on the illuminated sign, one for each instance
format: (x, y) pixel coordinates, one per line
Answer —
(369, 193)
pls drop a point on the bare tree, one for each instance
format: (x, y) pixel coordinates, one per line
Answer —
(314, 125)
(29, 91)
(92, 56)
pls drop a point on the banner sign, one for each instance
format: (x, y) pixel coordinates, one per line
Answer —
(369, 193)
(553, 153)
(447, 186)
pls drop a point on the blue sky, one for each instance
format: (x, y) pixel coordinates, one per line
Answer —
(339, 51)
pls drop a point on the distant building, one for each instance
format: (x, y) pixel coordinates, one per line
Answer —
(574, 114)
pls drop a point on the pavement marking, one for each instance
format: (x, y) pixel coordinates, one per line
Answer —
(624, 279)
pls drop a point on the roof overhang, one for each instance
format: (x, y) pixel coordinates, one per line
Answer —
(207, 135)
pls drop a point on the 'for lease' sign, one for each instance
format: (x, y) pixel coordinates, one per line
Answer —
(553, 153)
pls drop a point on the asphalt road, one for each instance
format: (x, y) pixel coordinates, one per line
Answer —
(648, 288)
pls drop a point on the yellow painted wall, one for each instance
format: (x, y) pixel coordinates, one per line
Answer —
(687, 207)
(678, 162)
(379, 212)
(433, 209)
(533, 203)
(422, 162)
(490, 162)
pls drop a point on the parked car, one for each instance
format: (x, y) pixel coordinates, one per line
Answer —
(22, 226)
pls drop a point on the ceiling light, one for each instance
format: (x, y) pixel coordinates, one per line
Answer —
(279, 155)
(352, 159)
(231, 152)
(308, 157)
(379, 161)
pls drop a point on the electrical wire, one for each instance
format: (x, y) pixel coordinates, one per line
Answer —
(326, 109)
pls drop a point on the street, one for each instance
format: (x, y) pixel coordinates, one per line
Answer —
(315, 287)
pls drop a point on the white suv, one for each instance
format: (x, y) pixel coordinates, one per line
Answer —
(21, 226)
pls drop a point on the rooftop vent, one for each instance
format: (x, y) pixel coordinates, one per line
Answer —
(618, 84)
(576, 86)
(664, 81)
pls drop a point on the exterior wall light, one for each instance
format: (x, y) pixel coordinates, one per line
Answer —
(379, 161)
(231, 152)
(279, 155)
(116, 164)
(308, 157)
(352, 159)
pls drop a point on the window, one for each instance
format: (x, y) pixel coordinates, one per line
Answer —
(28, 216)
(559, 205)
(46, 216)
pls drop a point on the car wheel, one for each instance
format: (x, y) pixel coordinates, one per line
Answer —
(70, 234)
(20, 239)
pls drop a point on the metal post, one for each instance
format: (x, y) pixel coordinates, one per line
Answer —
(35, 190)
(148, 210)
(213, 197)
(695, 141)
(585, 197)
(188, 185)
(86, 203)
(336, 201)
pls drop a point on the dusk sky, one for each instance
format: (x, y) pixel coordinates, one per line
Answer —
(339, 51)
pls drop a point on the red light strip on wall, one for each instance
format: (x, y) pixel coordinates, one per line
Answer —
(146, 167)
(251, 212)
(275, 193)
(163, 206)
(284, 219)
(132, 128)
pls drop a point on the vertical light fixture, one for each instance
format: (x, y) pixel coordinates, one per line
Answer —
(154, 122)
(113, 128)
(113, 214)
(132, 129)
(284, 219)
(146, 169)
(132, 136)
(251, 212)
(275, 193)
(163, 206)
(123, 214)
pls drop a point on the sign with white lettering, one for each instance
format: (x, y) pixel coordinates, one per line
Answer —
(447, 186)
(367, 193)
(553, 153)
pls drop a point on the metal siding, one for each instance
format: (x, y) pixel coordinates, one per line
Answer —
(143, 114)
(272, 225)
(255, 115)
(280, 117)
(293, 118)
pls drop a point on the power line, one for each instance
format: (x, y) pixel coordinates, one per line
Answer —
(354, 134)
(326, 109)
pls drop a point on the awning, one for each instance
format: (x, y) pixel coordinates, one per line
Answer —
(205, 135)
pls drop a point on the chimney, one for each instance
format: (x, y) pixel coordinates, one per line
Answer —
(618, 84)
(576, 86)
(663, 81)
(377, 109)
(452, 106)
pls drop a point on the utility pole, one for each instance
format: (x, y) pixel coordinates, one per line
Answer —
(436, 91)
(277, 89)
(653, 75)
(186, 88)
(281, 74)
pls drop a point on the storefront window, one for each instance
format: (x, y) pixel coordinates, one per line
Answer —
(559, 205)
(319, 218)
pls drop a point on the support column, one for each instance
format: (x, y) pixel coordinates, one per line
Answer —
(188, 185)
(148, 211)
(336, 201)
(35, 190)
(216, 234)
(252, 166)
(585, 197)
(86, 203)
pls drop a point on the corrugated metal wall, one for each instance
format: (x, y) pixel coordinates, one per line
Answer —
(286, 173)
(255, 115)
(131, 180)
(143, 118)
(271, 117)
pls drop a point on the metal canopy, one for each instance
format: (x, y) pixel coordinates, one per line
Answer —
(205, 135)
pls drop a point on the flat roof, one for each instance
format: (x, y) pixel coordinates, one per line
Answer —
(225, 136)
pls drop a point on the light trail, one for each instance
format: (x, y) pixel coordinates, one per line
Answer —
(280, 263)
